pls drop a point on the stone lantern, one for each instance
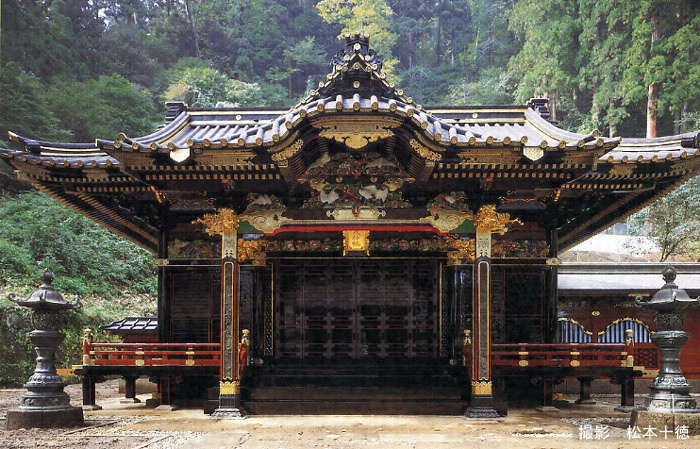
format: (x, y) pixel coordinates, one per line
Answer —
(45, 404)
(669, 390)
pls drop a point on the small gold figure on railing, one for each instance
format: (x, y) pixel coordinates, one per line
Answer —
(629, 341)
(466, 347)
(244, 352)
(87, 346)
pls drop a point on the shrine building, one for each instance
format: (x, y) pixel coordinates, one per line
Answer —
(358, 240)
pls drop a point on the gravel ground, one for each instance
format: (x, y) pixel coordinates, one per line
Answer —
(136, 427)
(106, 429)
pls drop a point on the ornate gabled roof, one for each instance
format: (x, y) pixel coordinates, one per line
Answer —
(356, 69)
(457, 127)
(510, 155)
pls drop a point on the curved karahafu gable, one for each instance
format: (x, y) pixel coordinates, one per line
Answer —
(512, 156)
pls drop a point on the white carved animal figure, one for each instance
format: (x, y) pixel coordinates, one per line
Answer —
(381, 162)
(329, 197)
(372, 192)
(262, 200)
(321, 161)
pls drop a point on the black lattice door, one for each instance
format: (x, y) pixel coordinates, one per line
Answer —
(354, 309)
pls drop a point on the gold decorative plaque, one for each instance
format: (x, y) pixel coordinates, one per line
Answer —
(355, 242)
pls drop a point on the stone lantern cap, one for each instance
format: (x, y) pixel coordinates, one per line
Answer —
(45, 298)
(670, 298)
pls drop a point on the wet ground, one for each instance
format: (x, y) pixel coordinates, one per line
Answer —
(137, 427)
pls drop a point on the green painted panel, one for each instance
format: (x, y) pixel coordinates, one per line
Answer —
(467, 227)
(246, 228)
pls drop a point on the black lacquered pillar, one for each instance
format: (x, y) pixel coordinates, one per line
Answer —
(487, 222)
(225, 223)
(482, 405)
(164, 301)
(230, 382)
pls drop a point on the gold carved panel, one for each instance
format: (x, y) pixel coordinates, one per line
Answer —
(355, 242)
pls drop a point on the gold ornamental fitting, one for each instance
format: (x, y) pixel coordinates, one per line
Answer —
(229, 387)
(221, 222)
(251, 250)
(488, 220)
(464, 250)
(482, 387)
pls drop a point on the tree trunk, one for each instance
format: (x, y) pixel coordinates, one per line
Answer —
(195, 35)
(653, 95)
(553, 105)
(684, 123)
(437, 44)
(410, 49)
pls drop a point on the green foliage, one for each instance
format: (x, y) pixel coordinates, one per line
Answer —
(102, 108)
(367, 16)
(24, 106)
(49, 37)
(673, 222)
(548, 29)
(18, 358)
(690, 121)
(491, 88)
(429, 86)
(18, 361)
(37, 232)
(202, 86)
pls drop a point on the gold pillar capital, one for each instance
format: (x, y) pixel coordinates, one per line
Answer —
(224, 221)
(488, 220)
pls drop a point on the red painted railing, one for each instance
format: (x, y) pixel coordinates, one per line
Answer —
(152, 354)
(563, 354)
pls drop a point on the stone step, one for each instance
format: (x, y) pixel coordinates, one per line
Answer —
(356, 407)
(355, 394)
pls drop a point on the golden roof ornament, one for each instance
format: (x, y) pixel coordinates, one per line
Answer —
(488, 220)
(222, 222)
